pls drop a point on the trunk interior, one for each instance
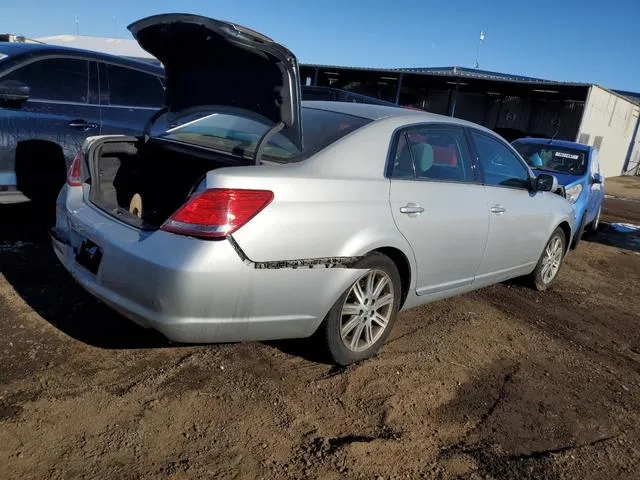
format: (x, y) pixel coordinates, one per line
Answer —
(143, 184)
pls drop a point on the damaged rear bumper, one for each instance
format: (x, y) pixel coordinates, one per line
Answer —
(192, 290)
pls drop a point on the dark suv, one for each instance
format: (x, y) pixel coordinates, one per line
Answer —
(52, 98)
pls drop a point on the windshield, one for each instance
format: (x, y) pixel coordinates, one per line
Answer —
(553, 158)
(239, 135)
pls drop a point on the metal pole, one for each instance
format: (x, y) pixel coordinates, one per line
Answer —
(631, 145)
(452, 112)
(500, 99)
(477, 65)
(315, 78)
(398, 88)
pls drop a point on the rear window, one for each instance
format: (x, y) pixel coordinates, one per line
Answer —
(239, 135)
(541, 156)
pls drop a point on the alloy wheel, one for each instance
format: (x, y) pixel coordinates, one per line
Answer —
(552, 259)
(367, 310)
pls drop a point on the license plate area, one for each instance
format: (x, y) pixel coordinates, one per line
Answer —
(89, 256)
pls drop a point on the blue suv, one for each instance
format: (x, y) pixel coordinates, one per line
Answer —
(52, 98)
(577, 169)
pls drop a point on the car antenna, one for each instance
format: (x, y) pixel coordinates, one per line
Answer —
(262, 143)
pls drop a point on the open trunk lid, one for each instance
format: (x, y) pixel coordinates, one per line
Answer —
(211, 63)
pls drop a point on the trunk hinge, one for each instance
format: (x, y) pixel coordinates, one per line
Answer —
(262, 143)
(146, 133)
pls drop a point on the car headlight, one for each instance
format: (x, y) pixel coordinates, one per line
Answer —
(573, 193)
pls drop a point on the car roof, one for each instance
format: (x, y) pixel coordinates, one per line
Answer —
(15, 49)
(554, 143)
(378, 112)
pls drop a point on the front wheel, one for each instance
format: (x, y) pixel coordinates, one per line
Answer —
(360, 321)
(546, 271)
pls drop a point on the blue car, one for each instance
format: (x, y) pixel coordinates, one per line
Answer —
(577, 169)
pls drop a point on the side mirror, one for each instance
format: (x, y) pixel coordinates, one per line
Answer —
(546, 183)
(597, 178)
(13, 92)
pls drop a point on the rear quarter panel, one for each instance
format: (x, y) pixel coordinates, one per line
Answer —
(333, 204)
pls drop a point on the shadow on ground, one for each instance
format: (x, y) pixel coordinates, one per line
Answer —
(30, 266)
(607, 235)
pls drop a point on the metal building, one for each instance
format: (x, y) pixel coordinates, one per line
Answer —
(512, 105)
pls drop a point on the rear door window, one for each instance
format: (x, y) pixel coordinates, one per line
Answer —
(55, 79)
(133, 88)
(434, 152)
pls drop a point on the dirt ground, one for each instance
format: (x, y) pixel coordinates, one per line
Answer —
(501, 383)
(623, 187)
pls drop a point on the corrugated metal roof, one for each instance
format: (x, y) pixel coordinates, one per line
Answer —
(461, 72)
(633, 96)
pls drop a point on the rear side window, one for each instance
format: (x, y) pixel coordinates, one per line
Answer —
(240, 135)
(433, 152)
(56, 79)
(133, 88)
(500, 166)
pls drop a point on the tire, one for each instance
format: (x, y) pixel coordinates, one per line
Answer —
(595, 223)
(541, 277)
(367, 333)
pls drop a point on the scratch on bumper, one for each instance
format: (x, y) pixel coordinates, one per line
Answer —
(322, 262)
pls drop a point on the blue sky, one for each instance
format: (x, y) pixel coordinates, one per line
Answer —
(572, 40)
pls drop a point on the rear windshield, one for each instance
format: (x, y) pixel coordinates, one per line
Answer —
(552, 158)
(239, 135)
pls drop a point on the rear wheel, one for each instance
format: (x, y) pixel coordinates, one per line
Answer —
(546, 272)
(360, 321)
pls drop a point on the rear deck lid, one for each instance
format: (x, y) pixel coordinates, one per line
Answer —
(211, 63)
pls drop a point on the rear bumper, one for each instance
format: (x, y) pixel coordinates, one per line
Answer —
(192, 290)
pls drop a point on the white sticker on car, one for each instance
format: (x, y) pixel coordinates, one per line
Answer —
(567, 155)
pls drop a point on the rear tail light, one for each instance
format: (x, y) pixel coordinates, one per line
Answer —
(74, 175)
(217, 212)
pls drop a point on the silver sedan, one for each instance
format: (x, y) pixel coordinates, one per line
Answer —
(238, 224)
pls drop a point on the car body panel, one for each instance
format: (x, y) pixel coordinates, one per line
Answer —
(449, 238)
(203, 291)
(516, 235)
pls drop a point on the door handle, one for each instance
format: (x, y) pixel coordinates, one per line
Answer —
(498, 209)
(82, 125)
(411, 209)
